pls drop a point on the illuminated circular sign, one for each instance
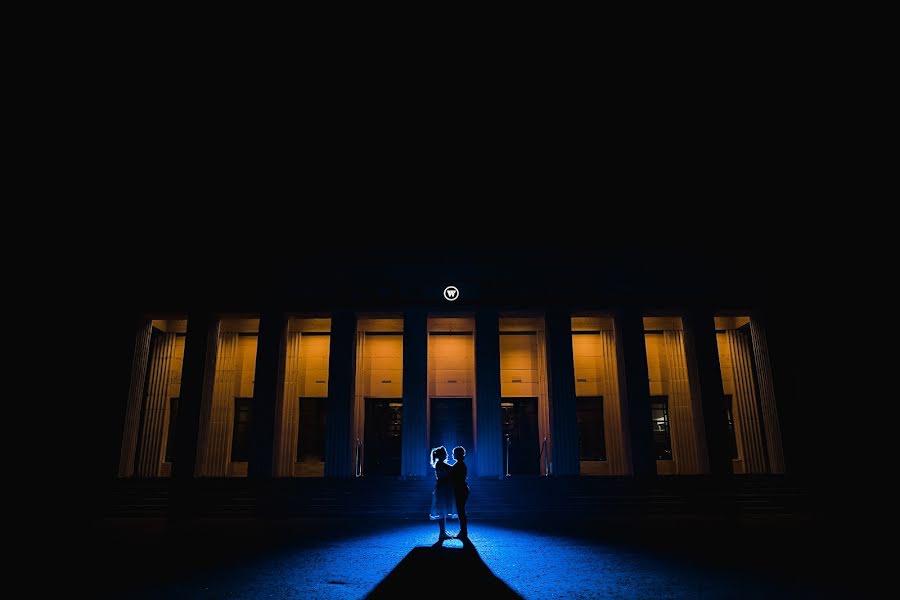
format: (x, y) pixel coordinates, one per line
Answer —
(451, 293)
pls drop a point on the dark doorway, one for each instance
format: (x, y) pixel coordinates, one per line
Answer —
(520, 436)
(240, 435)
(591, 436)
(729, 416)
(311, 432)
(451, 423)
(384, 419)
(170, 432)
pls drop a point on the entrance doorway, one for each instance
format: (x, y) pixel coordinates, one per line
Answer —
(521, 448)
(591, 433)
(384, 419)
(311, 432)
(451, 423)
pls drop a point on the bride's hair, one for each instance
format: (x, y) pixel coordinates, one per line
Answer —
(438, 454)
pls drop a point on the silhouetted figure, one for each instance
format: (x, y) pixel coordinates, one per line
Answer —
(443, 501)
(458, 474)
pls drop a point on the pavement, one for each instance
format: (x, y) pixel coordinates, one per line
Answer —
(357, 558)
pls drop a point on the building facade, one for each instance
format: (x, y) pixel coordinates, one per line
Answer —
(544, 389)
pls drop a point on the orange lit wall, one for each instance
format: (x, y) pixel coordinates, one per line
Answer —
(451, 361)
(307, 351)
(596, 374)
(234, 373)
(668, 369)
(379, 368)
(523, 370)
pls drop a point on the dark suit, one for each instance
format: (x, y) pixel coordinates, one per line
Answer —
(458, 474)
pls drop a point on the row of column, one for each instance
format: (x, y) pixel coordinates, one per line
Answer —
(200, 355)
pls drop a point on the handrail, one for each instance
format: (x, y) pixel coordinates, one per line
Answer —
(508, 441)
(543, 447)
(548, 466)
(547, 460)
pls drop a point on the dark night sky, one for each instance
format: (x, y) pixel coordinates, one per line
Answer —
(238, 263)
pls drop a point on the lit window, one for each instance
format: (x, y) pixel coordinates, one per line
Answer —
(659, 417)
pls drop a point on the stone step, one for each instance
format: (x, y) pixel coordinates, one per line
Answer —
(490, 497)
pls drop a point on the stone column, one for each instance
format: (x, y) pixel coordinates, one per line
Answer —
(414, 456)
(200, 347)
(747, 419)
(268, 392)
(135, 399)
(618, 451)
(685, 414)
(156, 404)
(341, 370)
(489, 455)
(775, 452)
(703, 360)
(636, 382)
(287, 420)
(561, 377)
(217, 409)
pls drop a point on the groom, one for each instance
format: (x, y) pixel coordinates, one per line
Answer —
(458, 473)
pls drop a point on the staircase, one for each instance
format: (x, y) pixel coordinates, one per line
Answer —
(137, 498)
(519, 497)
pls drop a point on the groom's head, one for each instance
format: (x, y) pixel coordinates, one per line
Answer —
(459, 453)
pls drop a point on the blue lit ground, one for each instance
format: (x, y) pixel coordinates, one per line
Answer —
(350, 559)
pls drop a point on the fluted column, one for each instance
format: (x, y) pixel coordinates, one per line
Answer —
(414, 456)
(563, 407)
(156, 404)
(636, 382)
(341, 370)
(287, 420)
(201, 346)
(767, 397)
(217, 410)
(489, 455)
(747, 419)
(703, 359)
(268, 393)
(685, 418)
(543, 399)
(135, 399)
(617, 450)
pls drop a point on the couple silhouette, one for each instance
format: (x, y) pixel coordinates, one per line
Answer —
(450, 491)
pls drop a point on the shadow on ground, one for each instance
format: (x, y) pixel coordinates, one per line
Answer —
(442, 572)
(534, 558)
